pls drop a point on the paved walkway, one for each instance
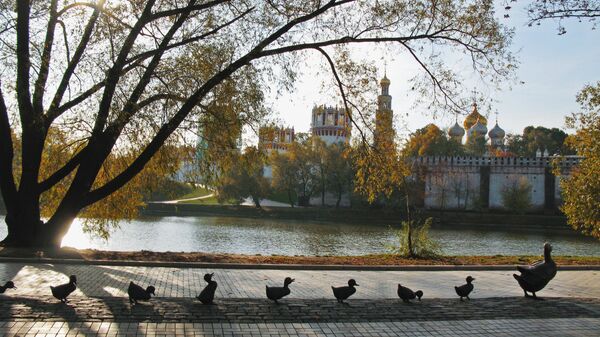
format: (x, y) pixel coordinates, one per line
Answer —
(106, 281)
(523, 327)
(99, 306)
(184, 200)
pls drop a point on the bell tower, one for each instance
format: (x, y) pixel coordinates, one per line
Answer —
(384, 115)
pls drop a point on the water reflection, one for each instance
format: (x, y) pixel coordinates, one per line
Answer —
(300, 237)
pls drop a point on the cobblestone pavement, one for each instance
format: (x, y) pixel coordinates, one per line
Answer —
(99, 307)
(106, 281)
(44, 308)
(516, 327)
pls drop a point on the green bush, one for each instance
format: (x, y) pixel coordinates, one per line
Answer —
(414, 241)
(516, 197)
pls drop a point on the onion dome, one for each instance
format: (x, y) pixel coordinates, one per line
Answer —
(478, 129)
(473, 117)
(385, 80)
(496, 132)
(456, 131)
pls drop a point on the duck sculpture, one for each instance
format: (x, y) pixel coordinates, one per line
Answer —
(208, 293)
(137, 293)
(7, 285)
(61, 292)
(535, 277)
(406, 294)
(465, 289)
(277, 293)
(342, 293)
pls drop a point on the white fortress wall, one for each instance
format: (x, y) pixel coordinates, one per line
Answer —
(507, 177)
(456, 182)
(452, 187)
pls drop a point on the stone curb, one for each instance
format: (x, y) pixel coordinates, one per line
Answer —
(209, 265)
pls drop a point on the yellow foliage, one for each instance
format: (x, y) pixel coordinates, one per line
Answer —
(581, 191)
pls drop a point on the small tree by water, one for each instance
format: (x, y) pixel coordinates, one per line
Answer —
(413, 240)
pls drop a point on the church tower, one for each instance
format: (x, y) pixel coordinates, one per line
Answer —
(384, 115)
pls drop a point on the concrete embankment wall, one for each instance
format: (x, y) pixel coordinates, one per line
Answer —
(446, 219)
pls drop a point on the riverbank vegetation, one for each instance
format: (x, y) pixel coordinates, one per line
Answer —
(367, 260)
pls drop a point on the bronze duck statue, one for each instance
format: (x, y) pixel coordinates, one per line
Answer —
(535, 277)
(208, 293)
(7, 285)
(465, 289)
(276, 293)
(62, 291)
(342, 293)
(406, 294)
(137, 293)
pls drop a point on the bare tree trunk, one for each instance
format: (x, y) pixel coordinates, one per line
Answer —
(256, 202)
(290, 198)
(411, 252)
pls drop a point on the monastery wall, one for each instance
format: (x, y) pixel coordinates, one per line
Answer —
(478, 182)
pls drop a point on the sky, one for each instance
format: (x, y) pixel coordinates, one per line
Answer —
(552, 70)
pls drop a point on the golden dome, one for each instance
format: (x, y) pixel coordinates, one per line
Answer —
(385, 80)
(472, 118)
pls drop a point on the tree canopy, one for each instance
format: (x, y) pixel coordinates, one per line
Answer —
(123, 78)
(581, 191)
(559, 10)
(538, 138)
(432, 141)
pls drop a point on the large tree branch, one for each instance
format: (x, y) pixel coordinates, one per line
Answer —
(187, 9)
(76, 101)
(23, 63)
(167, 129)
(114, 74)
(40, 83)
(346, 40)
(342, 92)
(61, 173)
(97, 7)
(7, 180)
(150, 53)
(54, 110)
(130, 106)
(89, 92)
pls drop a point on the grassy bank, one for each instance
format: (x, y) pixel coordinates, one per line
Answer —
(383, 259)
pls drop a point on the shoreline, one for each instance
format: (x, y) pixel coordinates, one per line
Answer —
(238, 261)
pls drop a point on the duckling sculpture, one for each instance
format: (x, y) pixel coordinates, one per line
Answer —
(208, 293)
(342, 293)
(276, 293)
(407, 294)
(61, 292)
(7, 285)
(465, 289)
(535, 277)
(137, 293)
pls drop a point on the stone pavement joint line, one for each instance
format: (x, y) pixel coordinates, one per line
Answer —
(107, 281)
(117, 309)
(520, 327)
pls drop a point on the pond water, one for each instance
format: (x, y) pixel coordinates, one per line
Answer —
(295, 237)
